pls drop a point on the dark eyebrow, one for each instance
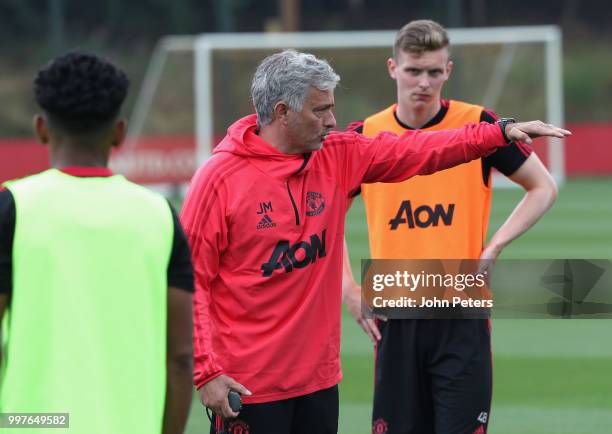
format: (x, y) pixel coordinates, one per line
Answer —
(324, 107)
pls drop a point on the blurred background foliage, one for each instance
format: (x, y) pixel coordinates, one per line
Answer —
(33, 31)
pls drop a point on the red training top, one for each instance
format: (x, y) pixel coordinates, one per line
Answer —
(266, 231)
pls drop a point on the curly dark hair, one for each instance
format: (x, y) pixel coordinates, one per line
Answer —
(80, 91)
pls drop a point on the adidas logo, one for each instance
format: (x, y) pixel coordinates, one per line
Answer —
(265, 223)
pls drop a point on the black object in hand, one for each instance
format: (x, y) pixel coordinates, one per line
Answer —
(235, 401)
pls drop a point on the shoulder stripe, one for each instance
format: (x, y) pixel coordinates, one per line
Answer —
(224, 170)
(208, 189)
(355, 126)
(194, 236)
(336, 138)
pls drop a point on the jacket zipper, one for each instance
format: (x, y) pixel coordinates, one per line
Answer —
(295, 208)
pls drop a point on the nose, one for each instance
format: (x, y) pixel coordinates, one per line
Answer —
(330, 120)
(424, 81)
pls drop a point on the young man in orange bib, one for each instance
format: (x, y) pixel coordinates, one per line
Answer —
(435, 376)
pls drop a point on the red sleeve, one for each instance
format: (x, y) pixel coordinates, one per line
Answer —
(203, 218)
(391, 158)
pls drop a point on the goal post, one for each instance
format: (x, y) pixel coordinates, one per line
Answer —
(513, 70)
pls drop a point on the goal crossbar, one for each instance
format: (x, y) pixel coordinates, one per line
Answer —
(203, 46)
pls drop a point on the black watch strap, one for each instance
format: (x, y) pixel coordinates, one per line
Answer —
(502, 122)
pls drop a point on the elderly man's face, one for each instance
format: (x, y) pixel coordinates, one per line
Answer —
(307, 128)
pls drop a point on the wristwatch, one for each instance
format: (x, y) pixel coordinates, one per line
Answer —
(502, 122)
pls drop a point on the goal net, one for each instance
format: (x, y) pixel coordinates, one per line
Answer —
(196, 86)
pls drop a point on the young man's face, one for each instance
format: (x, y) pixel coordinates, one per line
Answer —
(307, 128)
(420, 77)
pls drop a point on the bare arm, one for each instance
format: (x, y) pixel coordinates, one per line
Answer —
(540, 194)
(179, 364)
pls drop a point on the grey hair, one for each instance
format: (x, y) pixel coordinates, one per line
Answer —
(287, 76)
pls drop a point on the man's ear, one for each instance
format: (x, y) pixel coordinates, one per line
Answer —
(119, 132)
(41, 129)
(281, 112)
(391, 67)
(449, 69)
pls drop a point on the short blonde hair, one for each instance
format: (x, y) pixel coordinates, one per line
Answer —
(420, 36)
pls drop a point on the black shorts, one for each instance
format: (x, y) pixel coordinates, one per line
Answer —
(433, 377)
(315, 413)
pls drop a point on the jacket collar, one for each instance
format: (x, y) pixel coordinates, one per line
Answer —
(242, 140)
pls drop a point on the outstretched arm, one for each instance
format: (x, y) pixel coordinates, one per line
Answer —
(389, 158)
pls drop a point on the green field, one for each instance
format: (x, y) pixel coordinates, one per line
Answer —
(550, 376)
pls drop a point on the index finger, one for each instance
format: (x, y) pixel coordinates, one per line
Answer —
(555, 131)
(563, 132)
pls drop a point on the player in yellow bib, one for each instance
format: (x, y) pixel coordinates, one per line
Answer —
(96, 279)
(435, 376)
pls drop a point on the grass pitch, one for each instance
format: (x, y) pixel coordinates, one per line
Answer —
(550, 376)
